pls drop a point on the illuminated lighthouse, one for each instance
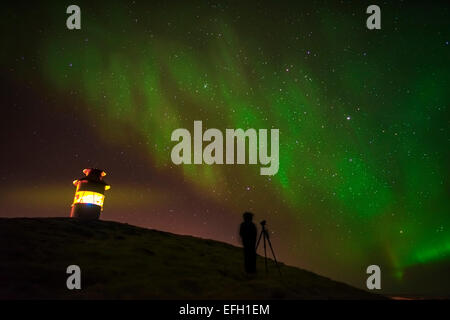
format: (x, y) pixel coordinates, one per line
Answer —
(89, 195)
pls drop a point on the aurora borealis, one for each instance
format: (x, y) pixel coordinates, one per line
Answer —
(363, 120)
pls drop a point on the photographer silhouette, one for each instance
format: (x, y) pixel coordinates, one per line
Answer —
(248, 235)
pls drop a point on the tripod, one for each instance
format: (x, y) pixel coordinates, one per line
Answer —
(265, 235)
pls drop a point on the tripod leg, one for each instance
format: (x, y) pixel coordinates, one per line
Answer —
(273, 253)
(265, 252)
(259, 239)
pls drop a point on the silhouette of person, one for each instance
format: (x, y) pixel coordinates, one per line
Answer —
(248, 235)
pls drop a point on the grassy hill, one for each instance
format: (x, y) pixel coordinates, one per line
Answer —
(119, 261)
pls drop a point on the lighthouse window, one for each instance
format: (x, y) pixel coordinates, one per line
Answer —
(89, 197)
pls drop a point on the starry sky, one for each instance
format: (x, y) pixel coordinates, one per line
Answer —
(363, 119)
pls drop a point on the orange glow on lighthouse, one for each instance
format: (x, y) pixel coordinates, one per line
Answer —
(89, 195)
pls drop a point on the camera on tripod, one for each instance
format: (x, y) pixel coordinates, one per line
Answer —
(265, 236)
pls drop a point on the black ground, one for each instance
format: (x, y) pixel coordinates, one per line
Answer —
(119, 261)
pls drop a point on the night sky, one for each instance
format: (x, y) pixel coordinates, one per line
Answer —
(363, 118)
